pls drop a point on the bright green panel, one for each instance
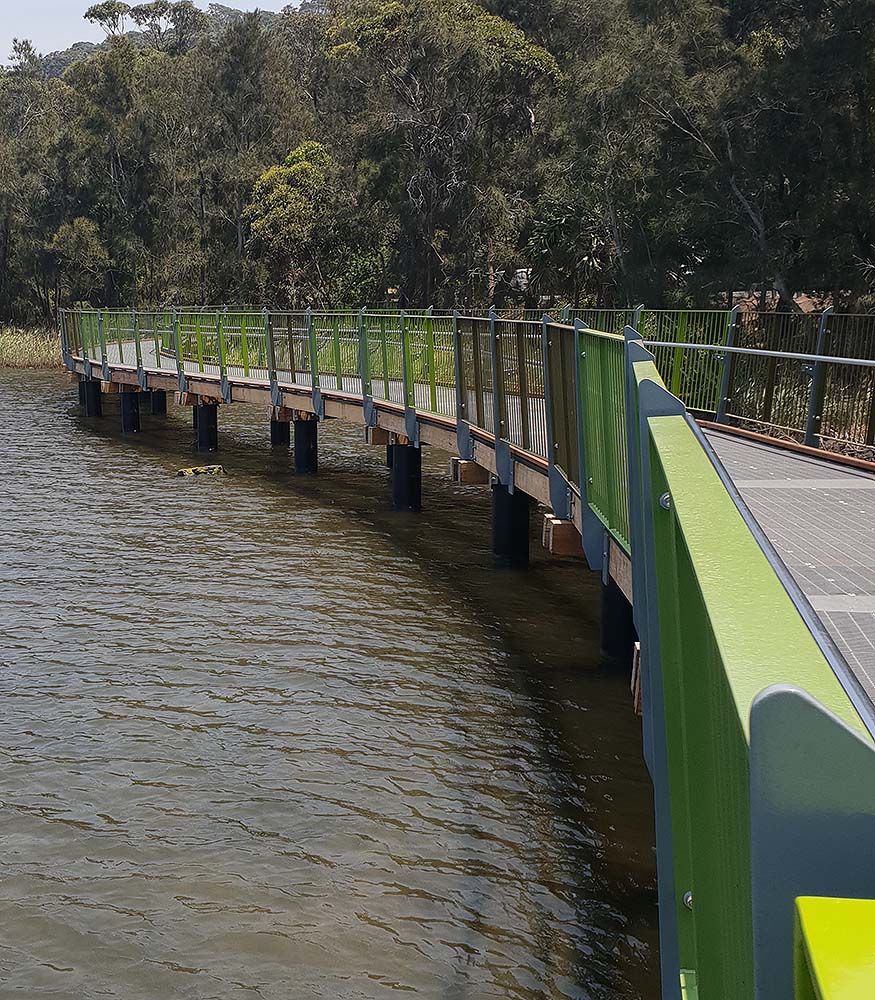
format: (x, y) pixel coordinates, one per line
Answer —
(739, 585)
(602, 378)
(835, 949)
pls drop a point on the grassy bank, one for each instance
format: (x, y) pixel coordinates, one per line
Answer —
(29, 348)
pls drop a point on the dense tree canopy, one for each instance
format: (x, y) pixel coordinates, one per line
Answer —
(610, 150)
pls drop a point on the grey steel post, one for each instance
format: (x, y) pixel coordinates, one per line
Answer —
(592, 530)
(503, 457)
(463, 426)
(818, 384)
(138, 347)
(276, 397)
(220, 348)
(560, 499)
(65, 345)
(102, 338)
(181, 380)
(411, 425)
(636, 315)
(726, 375)
(315, 393)
(86, 363)
(368, 411)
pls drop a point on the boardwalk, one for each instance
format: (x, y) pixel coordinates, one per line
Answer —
(820, 516)
(749, 569)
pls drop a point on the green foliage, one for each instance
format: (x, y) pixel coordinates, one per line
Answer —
(612, 152)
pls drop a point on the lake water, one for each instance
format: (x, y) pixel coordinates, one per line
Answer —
(262, 737)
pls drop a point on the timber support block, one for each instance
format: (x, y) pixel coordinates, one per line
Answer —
(560, 537)
(470, 473)
(377, 435)
(510, 527)
(406, 477)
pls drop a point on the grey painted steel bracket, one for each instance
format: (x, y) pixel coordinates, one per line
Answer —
(369, 411)
(464, 441)
(812, 821)
(504, 463)
(411, 425)
(318, 402)
(142, 381)
(225, 388)
(560, 492)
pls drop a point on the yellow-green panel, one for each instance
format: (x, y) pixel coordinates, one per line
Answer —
(835, 949)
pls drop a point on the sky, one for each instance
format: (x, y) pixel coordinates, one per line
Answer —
(55, 24)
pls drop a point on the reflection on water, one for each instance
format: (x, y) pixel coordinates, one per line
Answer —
(261, 736)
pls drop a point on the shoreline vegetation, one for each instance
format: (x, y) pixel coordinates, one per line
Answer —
(29, 348)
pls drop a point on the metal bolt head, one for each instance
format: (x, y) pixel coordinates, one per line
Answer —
(688, 900)
(665, 501)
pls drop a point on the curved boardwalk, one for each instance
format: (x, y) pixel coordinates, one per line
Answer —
(750, 569)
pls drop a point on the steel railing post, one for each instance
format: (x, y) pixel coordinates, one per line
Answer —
(181, 380)
(559, 490)
(818, 384)
(138, 348)
(728, 366)
(276, 397)
(101, 336)
(315, 391)
(364, 360)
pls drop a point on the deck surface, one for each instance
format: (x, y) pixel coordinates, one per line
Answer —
(820, 517)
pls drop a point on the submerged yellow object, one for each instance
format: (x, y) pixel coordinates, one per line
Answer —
(203, 470)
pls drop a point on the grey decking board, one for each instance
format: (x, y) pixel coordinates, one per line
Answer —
(820, 517)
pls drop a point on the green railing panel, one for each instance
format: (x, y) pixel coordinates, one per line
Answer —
(601, 359)
(710, 576)
(835, 949)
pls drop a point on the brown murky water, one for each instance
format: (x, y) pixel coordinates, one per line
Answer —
(261, 736)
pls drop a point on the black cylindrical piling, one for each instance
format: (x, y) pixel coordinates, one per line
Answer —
(130, 409)
(406, 477)
(207, 417)
(194, 410)
(280, 433)
(618, 630)
(306, 446)
(390, 451)
(82, 393)
(158, 399)
(510, 527)
(92, 397)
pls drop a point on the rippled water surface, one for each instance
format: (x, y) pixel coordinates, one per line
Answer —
(260, 736)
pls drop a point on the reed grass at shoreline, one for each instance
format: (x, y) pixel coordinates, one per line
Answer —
(23, 348)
